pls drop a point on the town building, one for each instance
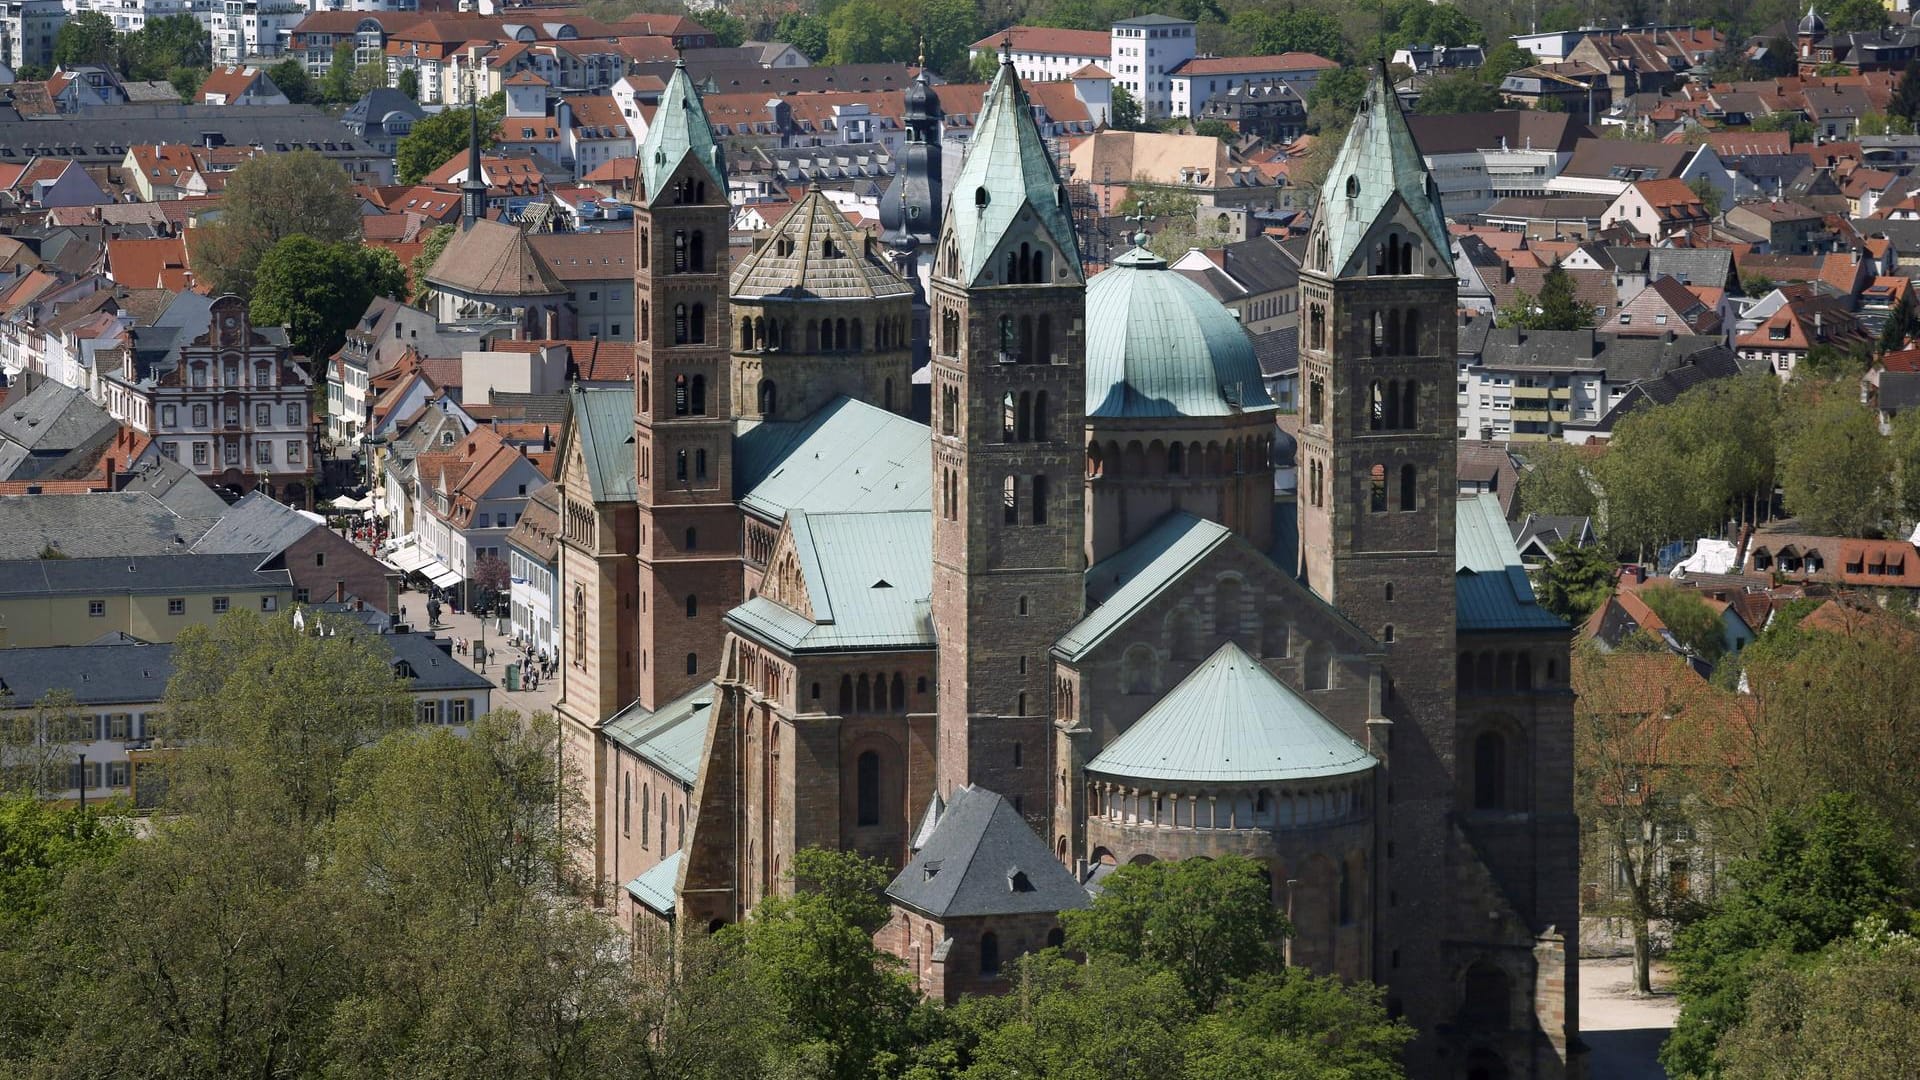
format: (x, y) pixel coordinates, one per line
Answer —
(1145, 52)
(45, 602)
(847, 629)
(1203, 78)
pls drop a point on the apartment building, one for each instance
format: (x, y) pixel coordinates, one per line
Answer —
(1146, 50)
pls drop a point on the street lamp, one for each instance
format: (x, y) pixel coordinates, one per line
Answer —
(83, 781)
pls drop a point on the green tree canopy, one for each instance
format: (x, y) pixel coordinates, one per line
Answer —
(1556, 480)
(864, 32)
(1576, 582)
(290, 75)
(1210, 923)
(1126, 110)
(1464, 92)
(808, 33)
(1846, 1016)
(1835, 467)
(1818, 874)
(1261, 31)
(1844, 15)
(436, 139)
(317, 291)
(1504, 59)
(1690, 619)
(86, 38)
(270, 198)
(164, 44)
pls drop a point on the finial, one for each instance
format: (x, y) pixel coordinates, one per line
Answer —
(1006, 49)
(680, 52)
(1140, 236)
(921, 60)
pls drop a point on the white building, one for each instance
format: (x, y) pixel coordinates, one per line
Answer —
(1198, 80)
(1045, 53)
(27, 30)
(535, 559)
(1145, 52)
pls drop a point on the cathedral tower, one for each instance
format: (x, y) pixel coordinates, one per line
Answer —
(1008, 298)
(1377, 498)
(910, 207)
(683, 405)
(819, 313)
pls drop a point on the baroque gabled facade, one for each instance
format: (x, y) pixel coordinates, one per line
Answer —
(1065, 626)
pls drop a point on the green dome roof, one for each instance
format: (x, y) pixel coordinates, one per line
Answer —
(1159, 345)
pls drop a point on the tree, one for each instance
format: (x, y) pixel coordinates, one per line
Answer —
(1876, 123)
(1847, 1015)
(1835, 468)
(1266, 31)
(729, 30)
(1556, 307)
(863, 32)
(1465, 92)
(290, 75)
(1755, 285)
(176, 41)
(1645, 738)
(1555, 480)
(1709, 196)
(437, 139)
(1064, 1019)
(1819, 872)
(270, 198)
(317, 291)
(1126, 110)
(430, 251)
(812, 955)
(1829, 360)
(1209, 923)
(1800, 129)
(39, 843)
(1504, 59)
(1338, 92)
(983, 67)
(1576, 582)
(805, 32)
(947, 28)
(186, 82)
(408, 83)
(1847, 15)
(492, 574)
(337, 84)
(1693, 623)
(1415, 22)
(86, 38)
(1906, 94)
(366, 79)
(1905, 450)
(1217, 129)
(1899, 325)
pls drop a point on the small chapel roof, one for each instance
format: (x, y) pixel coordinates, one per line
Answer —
(492, 259)
(981, 859)
(1233, 721)
(655, 887)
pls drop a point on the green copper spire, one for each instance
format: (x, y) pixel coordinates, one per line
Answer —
(1378, 171)
(680, 128)
(1007, 169)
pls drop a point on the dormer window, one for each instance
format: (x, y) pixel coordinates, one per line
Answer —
(980, 198)
(1017, 881)
(1353, 187)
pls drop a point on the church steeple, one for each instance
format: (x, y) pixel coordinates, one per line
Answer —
(910, 208)
(473, 190)
(680, 131)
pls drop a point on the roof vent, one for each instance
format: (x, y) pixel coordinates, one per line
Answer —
(932, 868)
(883, 583)
(1017, 881)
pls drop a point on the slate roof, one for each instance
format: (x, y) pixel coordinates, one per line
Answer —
(1380, 156)
(95, 524)
(869, 581)
(1899, 391)
(655, 887)
(1278, 351)
(256, 524)
(490, 259)
(847, 456)
(680, 129)
(1159, 345)
(672, 737)
(102, 136)
(175, 485)
(138, 574)
(1491, 590)
(120, 674)
(1008, 165)
(1129, 579)
(1232, 721)
(981, 859)
(1624, 359)
(815, 252)
(603, 423)
(434, 669)
(52, 418)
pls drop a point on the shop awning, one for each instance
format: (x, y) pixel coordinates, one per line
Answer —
(440, 574)
(407, 557)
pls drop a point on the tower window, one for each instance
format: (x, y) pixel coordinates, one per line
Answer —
(1490, 771)
(867, 788)
(693, 663)
(1386, 635)
(1023, 605)
(1377, 489)
(1039, 500)
(693, 535)
(1409, 487)
(693, 606)
(1010, 500)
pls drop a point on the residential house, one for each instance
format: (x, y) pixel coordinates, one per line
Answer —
(1657, 209)
(119, 689)
(1202, 78)
(534, 558)
(1478, 159)
(1666, 306)
(239, 85)
(1868, 564)
(1783, 339)
(52, 432)
(381, 118)
(150, 597)
(1197, 165)
(326, 567)
(1786, 228)
(1486, 467)
(1145, 51)
(1528, 385)
(597, 271)
(1044, 53)
(1536, 535)
(467, 500)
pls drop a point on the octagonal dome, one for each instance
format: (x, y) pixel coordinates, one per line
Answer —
(1159, 346)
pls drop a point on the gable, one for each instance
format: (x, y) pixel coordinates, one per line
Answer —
(785, 582)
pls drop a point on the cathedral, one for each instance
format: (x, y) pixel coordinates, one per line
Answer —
(1063, 624)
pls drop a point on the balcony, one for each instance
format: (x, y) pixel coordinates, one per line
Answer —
(1530, 393)
(1534, 415)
